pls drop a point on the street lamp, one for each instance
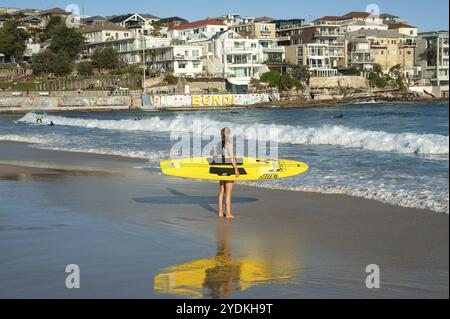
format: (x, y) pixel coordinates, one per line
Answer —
(144, 64)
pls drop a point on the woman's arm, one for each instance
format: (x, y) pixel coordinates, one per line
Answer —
(230, 151)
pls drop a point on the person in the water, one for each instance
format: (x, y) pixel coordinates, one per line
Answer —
(39, 118)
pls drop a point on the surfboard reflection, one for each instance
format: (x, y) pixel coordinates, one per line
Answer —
(216, 277)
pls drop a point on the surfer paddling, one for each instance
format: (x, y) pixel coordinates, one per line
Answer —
(226, 187)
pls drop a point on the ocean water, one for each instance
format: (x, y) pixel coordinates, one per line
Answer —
(397, 154)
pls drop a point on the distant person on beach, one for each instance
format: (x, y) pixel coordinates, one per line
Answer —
(226, 187)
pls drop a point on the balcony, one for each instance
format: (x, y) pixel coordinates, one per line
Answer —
(408, 44)
(357, 60)
(329, 34)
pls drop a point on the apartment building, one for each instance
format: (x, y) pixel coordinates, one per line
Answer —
(134, 21)
(96, 33)
(232, 19)
(181, 60)
(315, 56)
(129, 48)
(360, 54)
(229, 55)
(288, 31)
(357, 25)
(433, 59)
(258, 29)
(403, 28)
(387, 48)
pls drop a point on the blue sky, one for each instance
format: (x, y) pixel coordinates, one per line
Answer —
(427, 15)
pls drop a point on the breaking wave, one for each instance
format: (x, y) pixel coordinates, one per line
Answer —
(335, 135)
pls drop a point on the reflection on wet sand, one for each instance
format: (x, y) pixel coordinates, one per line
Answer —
(219, 276)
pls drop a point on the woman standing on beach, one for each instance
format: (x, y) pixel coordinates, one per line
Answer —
(226, 187)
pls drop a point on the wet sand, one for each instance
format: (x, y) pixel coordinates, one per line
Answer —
(140, 235)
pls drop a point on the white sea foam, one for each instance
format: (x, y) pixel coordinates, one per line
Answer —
(57, 144)
(34, 139)
(402, 198)
(335, 135)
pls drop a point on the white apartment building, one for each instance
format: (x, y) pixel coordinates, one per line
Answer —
(96, 33)
(435, 70)
(130, 48)
(357, 25)
(181, 60)
(318, 57)
(238, 59)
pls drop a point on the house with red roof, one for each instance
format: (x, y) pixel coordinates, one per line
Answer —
(189, 30)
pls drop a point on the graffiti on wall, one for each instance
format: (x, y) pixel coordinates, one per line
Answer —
(214, 100)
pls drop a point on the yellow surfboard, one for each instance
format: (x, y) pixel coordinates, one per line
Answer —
(221, 169)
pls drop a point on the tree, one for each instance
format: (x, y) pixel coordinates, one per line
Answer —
(106, 58)
(377, 68)
(85, 68)
(378, 80)
(63, 64)
(53, 24)
(272, 78)
(156, 28)
(283, 82)
(299, 72)
(354, 71)
(12, 39)
(399, 78)
(430, 55)
(47, 62)
(42, 62)
(67, 39)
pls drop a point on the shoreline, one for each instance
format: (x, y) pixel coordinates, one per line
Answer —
(105, 163)
(134, 230)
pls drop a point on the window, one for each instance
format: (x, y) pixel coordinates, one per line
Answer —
(182, 65)
(411, 32)
(239, 45)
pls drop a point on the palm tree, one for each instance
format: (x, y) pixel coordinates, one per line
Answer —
(156, 26)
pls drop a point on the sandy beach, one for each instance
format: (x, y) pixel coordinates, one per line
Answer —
(139, 235)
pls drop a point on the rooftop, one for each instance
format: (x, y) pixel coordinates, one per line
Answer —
(196, 24)
(54, 11)
(172, 19)
(328, 18)
(400, 25)
(377, 33)
(387, 15)
(355, 15)
(123, 17)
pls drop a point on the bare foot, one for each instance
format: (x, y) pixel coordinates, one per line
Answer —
(229, 216)
(221, 215)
